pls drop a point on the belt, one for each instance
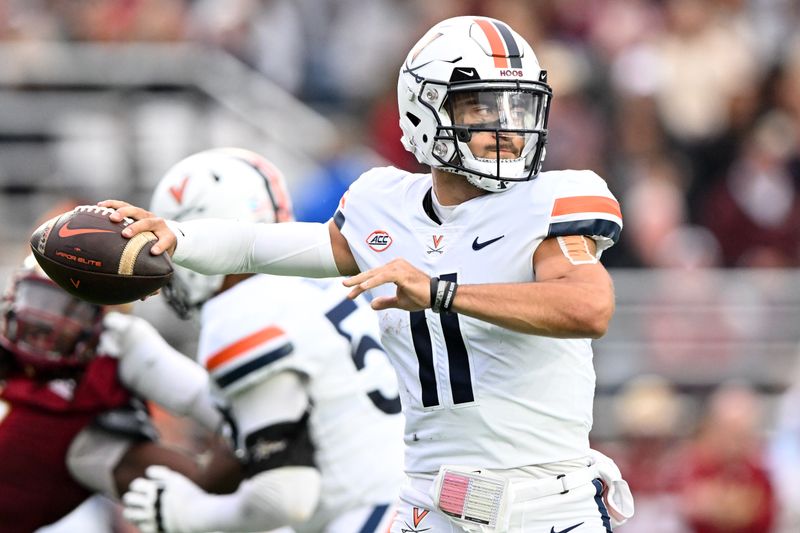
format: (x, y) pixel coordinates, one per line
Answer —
(561, 484)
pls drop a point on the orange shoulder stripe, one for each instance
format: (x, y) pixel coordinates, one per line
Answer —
(586, 204)
(243, 345)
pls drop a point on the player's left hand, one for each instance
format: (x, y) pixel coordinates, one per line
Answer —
(156, 503)
(413, 286)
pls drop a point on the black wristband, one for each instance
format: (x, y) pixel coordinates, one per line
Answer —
(434, 286)
(449, 297)
(443, 292)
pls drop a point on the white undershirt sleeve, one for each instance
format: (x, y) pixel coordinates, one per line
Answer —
(219, 246)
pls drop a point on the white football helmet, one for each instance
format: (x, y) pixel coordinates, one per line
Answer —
(483, 63)
(217, 183)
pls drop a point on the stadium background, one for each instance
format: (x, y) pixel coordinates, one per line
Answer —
(689, 108)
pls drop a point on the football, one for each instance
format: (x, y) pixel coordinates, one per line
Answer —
(85, 253)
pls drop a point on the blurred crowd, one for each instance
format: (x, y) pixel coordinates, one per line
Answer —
(703, 470)
(689, 108)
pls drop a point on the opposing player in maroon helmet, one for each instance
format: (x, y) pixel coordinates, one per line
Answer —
(70, 426)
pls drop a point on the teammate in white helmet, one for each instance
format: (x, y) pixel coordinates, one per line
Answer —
(309, 386)
(487, 277)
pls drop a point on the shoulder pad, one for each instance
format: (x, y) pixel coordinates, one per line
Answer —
(372, 187)
(251, 358)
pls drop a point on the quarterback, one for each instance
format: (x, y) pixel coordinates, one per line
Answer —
(487, 277)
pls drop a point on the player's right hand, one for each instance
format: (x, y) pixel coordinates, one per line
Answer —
(142, 505)
(413, 286)
(144, 221)
(161, 502)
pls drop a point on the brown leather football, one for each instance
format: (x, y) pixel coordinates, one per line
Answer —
(85, 253)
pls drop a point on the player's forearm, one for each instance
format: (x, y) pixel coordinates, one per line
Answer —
(267, 501)
(216, 246)
(148, 366)
(550, 308)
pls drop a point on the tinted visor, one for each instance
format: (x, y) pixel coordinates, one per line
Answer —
(46, 320)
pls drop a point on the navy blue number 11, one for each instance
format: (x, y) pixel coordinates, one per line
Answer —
(457, 358)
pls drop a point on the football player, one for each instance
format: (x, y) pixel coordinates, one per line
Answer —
(487, 277)
(310, 388)
(72, 420)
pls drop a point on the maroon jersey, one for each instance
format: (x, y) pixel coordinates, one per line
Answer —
(38, 421)
(739, 490)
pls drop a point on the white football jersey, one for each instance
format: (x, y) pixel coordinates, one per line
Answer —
(475, 393)
(268, 324)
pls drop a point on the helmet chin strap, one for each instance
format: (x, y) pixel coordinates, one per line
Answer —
(496, 168)
(490, 184)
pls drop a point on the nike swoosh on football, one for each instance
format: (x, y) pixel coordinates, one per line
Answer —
(553, 529)
(65, 231)
(478, 245)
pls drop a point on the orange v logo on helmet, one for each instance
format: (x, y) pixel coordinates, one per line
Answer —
(177, 192)
(65, 231)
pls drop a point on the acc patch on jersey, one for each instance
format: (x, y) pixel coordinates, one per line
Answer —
(379, 240)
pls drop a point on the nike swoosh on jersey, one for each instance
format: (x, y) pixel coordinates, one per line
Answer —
(478, 245)
(65, 231)
(553, 529)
